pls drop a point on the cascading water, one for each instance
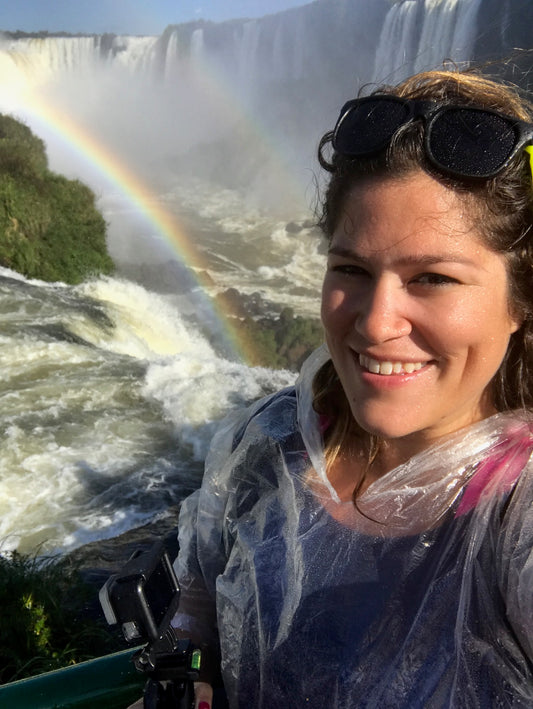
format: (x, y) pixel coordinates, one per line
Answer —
(109, 397)
(399, 31)
(448, 32)
(423, 34)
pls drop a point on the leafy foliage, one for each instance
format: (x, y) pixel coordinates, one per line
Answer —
(49, 225)
(45, 624)
(283, 342)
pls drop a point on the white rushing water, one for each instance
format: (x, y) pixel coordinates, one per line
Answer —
(108, 400)
(111, 391)
(423, 34)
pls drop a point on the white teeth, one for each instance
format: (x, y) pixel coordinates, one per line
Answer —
(387, 368)
(373, 366)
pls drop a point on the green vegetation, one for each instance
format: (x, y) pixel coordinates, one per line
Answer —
(277, 341)
(281, 343)
(49, 226)
(46, 623)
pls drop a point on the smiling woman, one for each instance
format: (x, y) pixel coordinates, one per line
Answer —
(364, 539)
(416, 312)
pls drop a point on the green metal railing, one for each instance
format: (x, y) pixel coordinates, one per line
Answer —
(109, 682)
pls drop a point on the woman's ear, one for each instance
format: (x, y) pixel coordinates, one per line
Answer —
(516, 319)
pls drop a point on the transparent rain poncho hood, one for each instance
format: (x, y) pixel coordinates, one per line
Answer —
(422, 598)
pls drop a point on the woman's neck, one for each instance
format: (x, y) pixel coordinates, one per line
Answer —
(357, 469)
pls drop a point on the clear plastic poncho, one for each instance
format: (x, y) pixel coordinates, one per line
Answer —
(421, 598)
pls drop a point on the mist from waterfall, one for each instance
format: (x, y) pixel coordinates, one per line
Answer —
(241, 103)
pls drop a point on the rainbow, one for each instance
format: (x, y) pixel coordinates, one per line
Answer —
(165, 224)
(81, 141)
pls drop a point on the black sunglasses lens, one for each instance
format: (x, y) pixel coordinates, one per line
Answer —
(367, 126)
(470, 143)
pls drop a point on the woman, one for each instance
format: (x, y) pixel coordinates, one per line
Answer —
(365, 539)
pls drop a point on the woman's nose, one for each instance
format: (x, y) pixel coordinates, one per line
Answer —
(382, 314)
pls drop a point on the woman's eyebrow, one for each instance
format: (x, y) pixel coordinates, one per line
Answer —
(410, 259)
(340, 251)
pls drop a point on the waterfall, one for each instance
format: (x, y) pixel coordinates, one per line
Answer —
(197, 43)
(251, 95)
(319, 40)
(466, 29)
(448, 32)
(171, 57)
(247, 49)
(423, 34)
(399, 32)
(44, 58)
(110, 395)
(273, 81)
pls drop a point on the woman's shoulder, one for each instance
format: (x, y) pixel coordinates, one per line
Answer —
(287, 412)
(274, 416)
(247, 441)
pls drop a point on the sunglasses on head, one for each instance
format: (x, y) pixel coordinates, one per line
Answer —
(462, 141)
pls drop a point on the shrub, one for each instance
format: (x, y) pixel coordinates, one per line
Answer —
(50, 227)
(45, 621)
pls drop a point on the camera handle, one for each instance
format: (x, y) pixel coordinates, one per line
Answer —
(169, 696)
(172, 666)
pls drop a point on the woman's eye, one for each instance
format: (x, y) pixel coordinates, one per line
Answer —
(349, 269)
(434, 279)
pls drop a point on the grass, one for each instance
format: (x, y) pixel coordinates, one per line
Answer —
(46, 619)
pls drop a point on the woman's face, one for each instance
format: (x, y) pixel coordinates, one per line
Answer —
(415, 309)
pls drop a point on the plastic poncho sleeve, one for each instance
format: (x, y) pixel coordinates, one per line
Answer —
(205, 532)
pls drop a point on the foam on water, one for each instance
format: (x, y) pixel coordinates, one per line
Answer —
(146, 325)
(108, 400)
(111, 393)
(195, 394)
(252, 250)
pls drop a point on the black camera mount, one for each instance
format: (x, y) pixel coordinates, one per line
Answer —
(143, 598)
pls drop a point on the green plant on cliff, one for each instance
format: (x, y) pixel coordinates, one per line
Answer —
(50, 227)
(45, 623)
(282, 342)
